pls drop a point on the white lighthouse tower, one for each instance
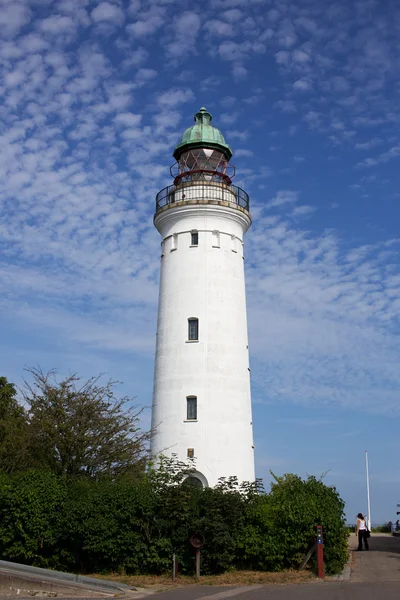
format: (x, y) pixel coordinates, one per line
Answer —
(201, 401)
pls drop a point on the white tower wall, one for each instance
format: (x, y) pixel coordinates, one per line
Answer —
(204, 282)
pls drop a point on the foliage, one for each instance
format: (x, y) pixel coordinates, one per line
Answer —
(135, 525)
(13, 443)
(81, 428)
(29, 517)
(298, 507)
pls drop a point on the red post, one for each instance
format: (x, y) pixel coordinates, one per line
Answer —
(320, 552)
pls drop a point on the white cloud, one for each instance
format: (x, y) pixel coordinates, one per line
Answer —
(188, 24)
(229, 118)
(302, 85)
(239, 72)
(135, 59)
(105, 12)
(228, 101)
(143, 76)
(286, 106)
(186, 27)
(313, 119)
(368, 144)
(219, 28)
(128, 119)
(282, 57)
(282, 198)
(302, 211)
(233, 15)
(243, 152)
(235, 134)
(147, 24)
(209, 83)
(300, 56)
(57, 24)
(287, 36)
(384, 157)
(13, 16)
(174, 98)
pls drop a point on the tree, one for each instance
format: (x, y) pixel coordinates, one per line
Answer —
(83, 428)
(13, 452)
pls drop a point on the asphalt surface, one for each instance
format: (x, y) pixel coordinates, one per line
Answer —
(381, 563)
(374, 575)
(314, 591)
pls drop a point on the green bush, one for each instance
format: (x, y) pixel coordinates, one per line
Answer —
(134, 526)
(301, 505)
(30, 505)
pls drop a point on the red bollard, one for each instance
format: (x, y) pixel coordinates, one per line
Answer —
(320, 552)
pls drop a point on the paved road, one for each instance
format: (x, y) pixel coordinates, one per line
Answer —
(381, 563)
(314, 591)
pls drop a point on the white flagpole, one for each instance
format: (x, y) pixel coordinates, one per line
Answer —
(368, 496)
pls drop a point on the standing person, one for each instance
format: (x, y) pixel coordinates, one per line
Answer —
(362, 532)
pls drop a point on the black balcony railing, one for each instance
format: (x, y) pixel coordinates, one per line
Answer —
(202, 190)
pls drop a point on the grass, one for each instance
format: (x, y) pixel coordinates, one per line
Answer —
(236, 578)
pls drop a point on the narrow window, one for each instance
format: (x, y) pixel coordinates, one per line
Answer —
(193, 326)
(190, 452)
(174, 242)
(194, 238)
(191, 408)
(215, 239)
(234, 243)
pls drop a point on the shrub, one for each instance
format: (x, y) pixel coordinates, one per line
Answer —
(30, 505)
(134, 526)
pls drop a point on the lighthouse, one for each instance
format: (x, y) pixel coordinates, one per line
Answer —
(202, 400)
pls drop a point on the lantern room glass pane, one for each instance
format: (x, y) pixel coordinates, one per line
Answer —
(202, 159)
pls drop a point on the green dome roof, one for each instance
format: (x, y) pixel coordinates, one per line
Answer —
(202, 135)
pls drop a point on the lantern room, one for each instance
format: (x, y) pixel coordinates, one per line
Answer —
(203, 154)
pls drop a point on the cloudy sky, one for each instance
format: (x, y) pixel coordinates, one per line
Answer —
(94, 97)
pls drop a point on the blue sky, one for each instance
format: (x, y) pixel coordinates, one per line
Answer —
(94, 97)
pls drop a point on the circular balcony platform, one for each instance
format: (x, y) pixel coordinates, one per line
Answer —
(203, 192)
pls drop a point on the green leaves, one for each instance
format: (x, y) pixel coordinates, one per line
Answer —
(134, 526)
(13, 430)
(29, 517)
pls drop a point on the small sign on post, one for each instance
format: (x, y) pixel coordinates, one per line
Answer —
(197, 540)
(320, 552)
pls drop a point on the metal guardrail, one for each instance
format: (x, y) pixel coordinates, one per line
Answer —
(202, 190)
(38, 573)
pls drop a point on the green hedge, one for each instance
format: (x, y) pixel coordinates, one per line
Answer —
(135, 527)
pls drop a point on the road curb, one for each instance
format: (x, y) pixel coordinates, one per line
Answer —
(346, 573)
